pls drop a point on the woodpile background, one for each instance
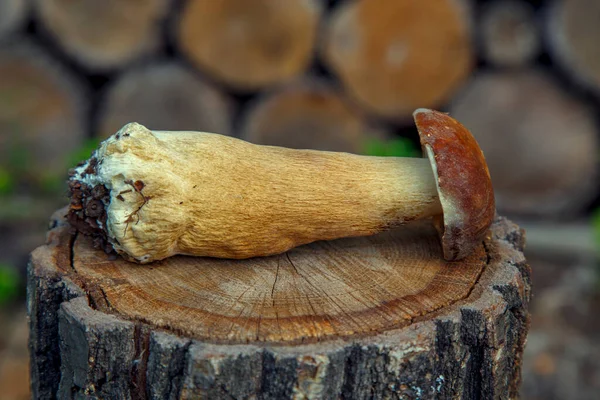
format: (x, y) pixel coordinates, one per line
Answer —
(341, 75)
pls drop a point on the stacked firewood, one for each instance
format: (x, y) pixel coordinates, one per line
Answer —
(332, 75)
(341, 75)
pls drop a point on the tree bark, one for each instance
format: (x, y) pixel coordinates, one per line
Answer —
(104, 35)
(249, 45)
(165, 96)
(396, 56)
(509, 33)
(308, 115)
(549, 137)
(377, 317)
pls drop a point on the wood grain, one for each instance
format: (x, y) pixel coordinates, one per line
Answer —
(469, 347)
(249, 45)
(396, 56)
(326, 289)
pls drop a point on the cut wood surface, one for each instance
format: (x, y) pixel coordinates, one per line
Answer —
(249, 44)
(573, 30)
(105, 34)
(308, 116)
(42, 111)
(396, 56)
(367, 317)
(510, 36)
(540, 143)
(165, 96)
(12, 15)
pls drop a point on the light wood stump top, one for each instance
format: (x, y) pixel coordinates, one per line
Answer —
(345, 287)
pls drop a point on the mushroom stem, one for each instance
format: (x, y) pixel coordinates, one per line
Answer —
(210, 195)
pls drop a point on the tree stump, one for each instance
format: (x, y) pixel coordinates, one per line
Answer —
(550, 173)
(395, 56)
(308, 115)
(165, 96)
(572, 29)
(107, 34)
(249, 45)
(510, 36)
(370, 317)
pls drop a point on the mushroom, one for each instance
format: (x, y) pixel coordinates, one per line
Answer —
(153, 194)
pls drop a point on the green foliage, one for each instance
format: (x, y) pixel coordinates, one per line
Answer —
(19, 158)
(7, 183)
(52, 183)
(18, 164)
(55, 183)
(398, 147)
(9, 283)
(595, 219)
(596, 226)
(82, 153)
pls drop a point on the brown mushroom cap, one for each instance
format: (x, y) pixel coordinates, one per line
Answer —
(463, 182)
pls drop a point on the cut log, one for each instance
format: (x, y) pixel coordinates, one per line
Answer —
(43, 111)
(12, 15)
(510, 36)
(165, 96)
(371, 317)
(396, 56)
(106, 34)
(549, 138)
(249, 45)
(572, 29)
(308, 116)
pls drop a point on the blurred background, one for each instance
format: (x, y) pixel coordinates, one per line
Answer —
(340, 75)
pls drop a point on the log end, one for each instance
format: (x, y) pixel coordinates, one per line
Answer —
(396, 56)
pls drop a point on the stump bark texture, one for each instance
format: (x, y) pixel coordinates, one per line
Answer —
(373, 317)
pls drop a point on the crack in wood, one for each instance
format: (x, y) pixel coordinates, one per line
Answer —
(275, 282)
(455, 357)
(100, 300)
(141, 338)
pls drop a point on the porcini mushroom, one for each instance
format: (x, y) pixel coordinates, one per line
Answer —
(153, 194)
